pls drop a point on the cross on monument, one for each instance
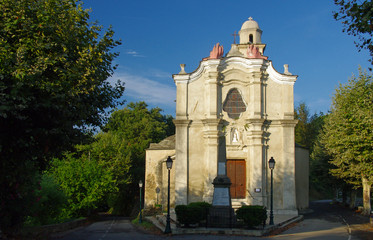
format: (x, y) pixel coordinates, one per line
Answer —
(234, 37)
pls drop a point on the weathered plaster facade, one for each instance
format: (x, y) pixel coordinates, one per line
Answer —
(240, 98)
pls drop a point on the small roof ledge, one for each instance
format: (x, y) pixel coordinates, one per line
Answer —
(280, 78)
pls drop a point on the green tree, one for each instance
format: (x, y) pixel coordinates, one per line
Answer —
(121, 147)
(322, 183)
(49, 204)
(356, 16)
(348, 135)
(302, 129)
(53, 90)
(135, 127)
(86, 183)
(307, 132)
(308, 126)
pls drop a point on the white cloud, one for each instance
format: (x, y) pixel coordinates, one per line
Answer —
(134, 53)
(145, 89)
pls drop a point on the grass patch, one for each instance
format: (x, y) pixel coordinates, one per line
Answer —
(145, 225)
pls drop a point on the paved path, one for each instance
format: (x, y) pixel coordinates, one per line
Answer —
(316, 229)
(327, 222)
(123, 229)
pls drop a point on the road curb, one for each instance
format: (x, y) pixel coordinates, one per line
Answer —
(225, 231)
(42, 232)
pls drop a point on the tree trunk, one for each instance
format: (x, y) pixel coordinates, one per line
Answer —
(366, 196)
(344, 195)
(353, 198)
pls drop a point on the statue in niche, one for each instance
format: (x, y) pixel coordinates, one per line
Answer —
(236, 136)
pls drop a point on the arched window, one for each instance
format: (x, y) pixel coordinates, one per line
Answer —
(233, 104)
(251, 38)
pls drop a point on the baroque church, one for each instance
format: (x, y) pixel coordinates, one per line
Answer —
(237, 111)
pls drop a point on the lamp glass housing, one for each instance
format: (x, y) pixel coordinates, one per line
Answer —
(140, 184)
(271, 163)
(169, 162)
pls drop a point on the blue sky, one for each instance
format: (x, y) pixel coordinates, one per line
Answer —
(159, 35)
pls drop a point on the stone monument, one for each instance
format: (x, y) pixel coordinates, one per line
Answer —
(221, 213)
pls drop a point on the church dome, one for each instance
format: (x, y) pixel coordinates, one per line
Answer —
(250, 32)
(250, 24)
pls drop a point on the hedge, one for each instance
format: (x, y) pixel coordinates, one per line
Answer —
(192, 213)
(252, 215)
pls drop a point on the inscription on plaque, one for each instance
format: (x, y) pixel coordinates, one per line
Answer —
(221, 197)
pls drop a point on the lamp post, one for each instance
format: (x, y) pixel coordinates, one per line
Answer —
(271, 164)
(168, 224)
(140, 186)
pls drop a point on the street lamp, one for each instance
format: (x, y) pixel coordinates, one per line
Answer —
(140, 186)
(271, 164)
(168, 224)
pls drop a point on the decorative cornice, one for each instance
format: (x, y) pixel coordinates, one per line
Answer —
(244, 62)
(249, 64)
(212, 121)
(280, 78)
(284, 122)
(181, 122)
(209, 64)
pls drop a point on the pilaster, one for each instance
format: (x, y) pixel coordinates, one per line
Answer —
(256, 94)
(288, 164)
(212, 95)
(181, 99)
(256, 166)
(181, 161)
(212, 140)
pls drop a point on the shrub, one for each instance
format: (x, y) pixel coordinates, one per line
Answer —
(204, 209)
(252, 215)
(182, 214)
(192, 213)
(49, 203)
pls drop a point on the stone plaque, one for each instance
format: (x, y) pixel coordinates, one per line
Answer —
(221, 197)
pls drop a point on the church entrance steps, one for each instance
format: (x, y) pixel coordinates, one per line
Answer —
(280, 220)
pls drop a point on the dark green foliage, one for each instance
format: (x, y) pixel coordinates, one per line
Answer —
(17, 196)
(182, 215)
(308, 127)
(356, 16)
(307, 134)
(192, 213)
(188, 214)
(252, 215)
(323, 185)
(50, 201)
(205, 208)
(302, 129)
(53, 91)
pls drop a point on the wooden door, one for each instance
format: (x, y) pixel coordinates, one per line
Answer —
(236, 171)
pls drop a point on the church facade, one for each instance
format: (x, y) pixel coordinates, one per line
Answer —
(236, 110)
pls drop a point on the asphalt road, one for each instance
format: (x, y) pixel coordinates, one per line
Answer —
(327, 222)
